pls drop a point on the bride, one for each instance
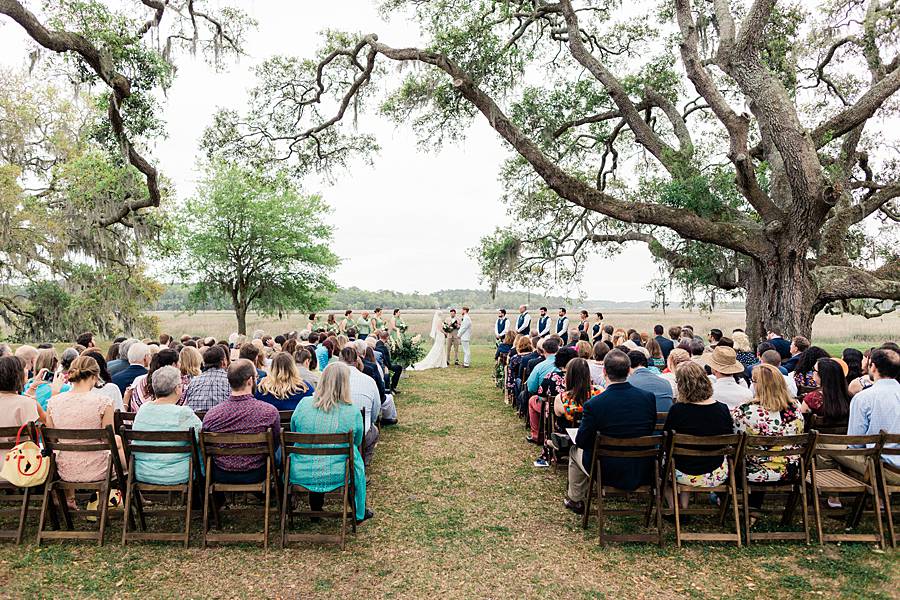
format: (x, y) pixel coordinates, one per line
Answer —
(437, 356)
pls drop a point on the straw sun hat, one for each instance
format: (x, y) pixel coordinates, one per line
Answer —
(724, 360)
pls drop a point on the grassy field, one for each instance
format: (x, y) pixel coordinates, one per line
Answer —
(460, 513)
(827, 329)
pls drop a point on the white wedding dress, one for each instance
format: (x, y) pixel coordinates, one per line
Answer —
(437, 356)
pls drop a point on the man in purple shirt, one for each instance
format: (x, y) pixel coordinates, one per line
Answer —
(242, 413)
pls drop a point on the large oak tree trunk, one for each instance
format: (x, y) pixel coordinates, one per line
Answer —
(241, 313)
(781, 294)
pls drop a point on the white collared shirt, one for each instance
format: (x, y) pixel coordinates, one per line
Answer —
(730, 393)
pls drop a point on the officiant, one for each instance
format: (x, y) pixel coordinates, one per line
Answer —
(451, 328)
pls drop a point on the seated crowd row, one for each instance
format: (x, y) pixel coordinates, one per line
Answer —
(332, 383)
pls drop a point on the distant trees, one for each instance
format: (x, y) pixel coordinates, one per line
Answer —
(256, 240)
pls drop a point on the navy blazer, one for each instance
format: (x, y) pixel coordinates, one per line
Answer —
(125, 378)
(622, 411)
(666, 345)
(783, 346)
(371, 369)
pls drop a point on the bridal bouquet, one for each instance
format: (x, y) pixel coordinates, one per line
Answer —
(407, 350)
(451, 326)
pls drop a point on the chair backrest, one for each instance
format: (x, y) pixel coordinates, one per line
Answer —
(681, 444)
(163, 442)
(236, 444)
(285, 417)
(200, 414)
(79, 440)
(317, 444)
(890, 438)
(770, 446)
(8, 435)
(803, 390)
(823, 425)
(847, 445)
(660, 420)
(122, 419)
(636, 447)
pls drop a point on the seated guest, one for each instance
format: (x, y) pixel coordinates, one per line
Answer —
(370, 368)
(81, 408)
(549, 389)
(241, 413)
(697, 350)
(584, 349)
(799, 345)
(523, 348)
(325, 353)
(190, 362)
(832, 400)
(396, 370)
(779, 343)
(723, 363)
(549, 347)
(803, 372)
(141, 390)
(48, 380)
(771, 357)
(853, 359)
(596, 364)
(505, 345)
(138, 361)
(15, 409)
(253, 354)
(621, 411)
(330, 410)
(656, 362)
(772, 412)
(863, 381)
(162, 412)
(304, 358)
(569, 403)
(364, 394)
(120, 363)
(643, 378)
(666, 345)
(676, 357)
(697, 412)
(105, 387)
(743, 350)
(211, 387)
(876, 409)
(283, 387)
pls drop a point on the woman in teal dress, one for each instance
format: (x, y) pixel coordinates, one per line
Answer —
(377, 321)
(397, 328)
(330, 410)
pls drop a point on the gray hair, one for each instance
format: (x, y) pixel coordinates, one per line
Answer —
(137, 352)
(361, 347)
(5, 350)
(165, 381)
(123, 348)
(68, 357)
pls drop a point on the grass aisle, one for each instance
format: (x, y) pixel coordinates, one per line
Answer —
(461, 513)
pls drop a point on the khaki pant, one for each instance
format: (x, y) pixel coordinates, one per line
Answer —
(578, 477)
(857, 464)
(453, 346)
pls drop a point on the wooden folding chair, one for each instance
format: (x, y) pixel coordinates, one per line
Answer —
(649, 447)
(236, 444)
(729, 446)
(836, 482)
(769, 447)
(169, 443)
(803, 390)
(16, 501)
(285, 417)
(823, 425)
(80, 440)
(889, 488)
(122, 419)
(660, 421)
(333, 444)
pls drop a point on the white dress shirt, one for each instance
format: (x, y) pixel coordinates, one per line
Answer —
(730, 393)
(364, 394)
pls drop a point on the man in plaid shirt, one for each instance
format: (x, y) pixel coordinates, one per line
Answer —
(210, 387)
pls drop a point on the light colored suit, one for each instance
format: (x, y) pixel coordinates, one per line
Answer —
(465, 336)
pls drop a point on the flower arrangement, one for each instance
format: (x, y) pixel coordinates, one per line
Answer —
(407, 350)
(450, 326)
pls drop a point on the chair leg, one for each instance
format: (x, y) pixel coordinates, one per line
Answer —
(676, 503)
(737, 512)
(805, 501)
(44, 507)
(129, 494)
(587, 499)
(876, 503)
(268, 487)
(64, 507)
(285, 508)
(600, 514)
(103, 502)
(23, 516)
(888, 513)
(206, 503)
(745, 497)
(188, 506)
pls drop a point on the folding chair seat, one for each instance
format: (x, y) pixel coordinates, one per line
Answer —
(237, 444)
(729, 446)
(167, 443)
(79, 440)
(649, 447)
(891, 447)
(16, 501)
(794, 484)
(334, 444)
(836, 482)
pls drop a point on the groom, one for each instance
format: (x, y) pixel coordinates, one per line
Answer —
(451, 328)
(465, 336)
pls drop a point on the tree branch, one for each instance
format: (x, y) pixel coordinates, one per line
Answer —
(846, 283)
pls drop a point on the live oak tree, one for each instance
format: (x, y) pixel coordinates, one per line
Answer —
(747, 143)
(256, 240)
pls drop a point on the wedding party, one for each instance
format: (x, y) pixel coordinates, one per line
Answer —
(307, 300)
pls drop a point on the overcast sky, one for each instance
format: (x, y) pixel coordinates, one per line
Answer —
(407, 221)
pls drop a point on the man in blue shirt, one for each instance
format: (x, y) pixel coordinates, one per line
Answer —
(643, 378)
(877, 409)
(549, 347)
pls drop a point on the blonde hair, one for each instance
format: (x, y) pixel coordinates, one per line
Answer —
(741, 341)
(584, 349)
(334, 387)
(46, 359)
(190, 361)
(676, 357)
(618, 337)
(340, 342)
(283, 379)
(693, 384)
(83, 367)
(771, 390)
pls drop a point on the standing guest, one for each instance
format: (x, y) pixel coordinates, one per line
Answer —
(16, 409)
(803, 372)
(241, 413)
(543, 325)
(723, 363)
(138, 361)
(377, 321)
(211, 387)
(562, 326)
(832, 400)
(363, 330)
(141, 390)
(314, 323)
(621, 411)
(665, 344)
(656, 360)
(395, 369)
(876, 409)
(643, 378)
(330, 410)
(595, 365)
(799, 345)
(164, 413)
(779, 343)
(743, 350)
(304, 358)
(502, 325)
(105, 387)
(698, 413)
(283, 388)
(347, 323)
(364, 394)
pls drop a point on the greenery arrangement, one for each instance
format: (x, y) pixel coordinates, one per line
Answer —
(407, 349)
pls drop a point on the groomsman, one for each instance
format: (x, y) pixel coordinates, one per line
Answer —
(562, 326)
(544, 323)
(502, 325)
(523, 323)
